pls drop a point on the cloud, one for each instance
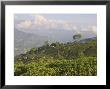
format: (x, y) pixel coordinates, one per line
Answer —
(94, 29)
(25, 24)
(41, 22)
(91, 29)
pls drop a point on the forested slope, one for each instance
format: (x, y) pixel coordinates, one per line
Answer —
(59, 59)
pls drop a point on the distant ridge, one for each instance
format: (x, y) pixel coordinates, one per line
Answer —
(88, 39)
(26, 40)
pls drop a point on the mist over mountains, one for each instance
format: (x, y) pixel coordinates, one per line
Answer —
(23, 40)
(32, 30)
(36, 38)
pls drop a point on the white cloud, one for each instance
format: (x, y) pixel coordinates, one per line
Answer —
(25, 24)
(91, 29)
(40, 22)
(52, 24)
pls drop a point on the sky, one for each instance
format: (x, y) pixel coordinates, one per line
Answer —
(76, 22)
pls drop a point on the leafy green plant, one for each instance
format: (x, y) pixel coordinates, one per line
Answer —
(58, 59)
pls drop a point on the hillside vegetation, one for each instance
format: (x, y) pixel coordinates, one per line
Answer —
(58, 59)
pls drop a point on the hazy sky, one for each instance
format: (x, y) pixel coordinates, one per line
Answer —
(75, 18)
(76, 22)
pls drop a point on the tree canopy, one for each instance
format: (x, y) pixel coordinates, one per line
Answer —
(76, 37)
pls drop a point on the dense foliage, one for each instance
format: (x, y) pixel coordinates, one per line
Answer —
(58, 59)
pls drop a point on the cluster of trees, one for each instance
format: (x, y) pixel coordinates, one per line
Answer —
(58, 59)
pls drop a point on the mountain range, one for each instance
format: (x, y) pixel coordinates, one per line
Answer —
(35, 38)
(23, 40)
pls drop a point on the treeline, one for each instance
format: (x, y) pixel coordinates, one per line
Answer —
(58, 59)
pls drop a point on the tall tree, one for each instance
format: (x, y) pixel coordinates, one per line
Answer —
(76, 37)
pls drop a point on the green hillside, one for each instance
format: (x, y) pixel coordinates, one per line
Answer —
(59, 59)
